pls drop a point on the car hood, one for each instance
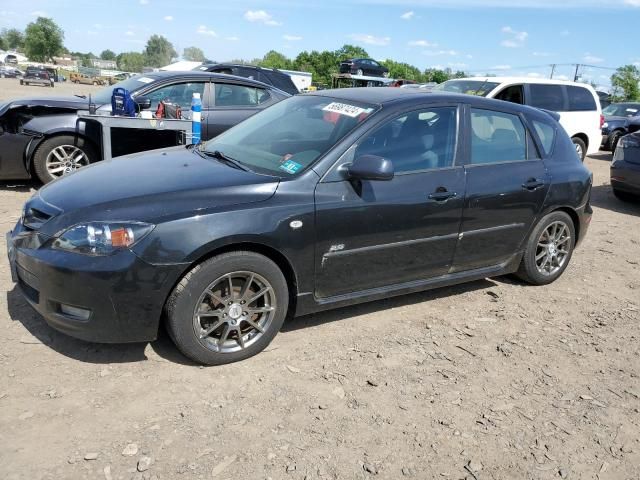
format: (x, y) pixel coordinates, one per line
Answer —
(75, 103)
(152, 187)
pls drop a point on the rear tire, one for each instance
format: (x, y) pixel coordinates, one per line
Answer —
(46, 162)
(613, 141)
(360, 72)
(548, 249)
(213, 323)
(581, 148)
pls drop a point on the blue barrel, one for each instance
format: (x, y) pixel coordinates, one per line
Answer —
(196, 117)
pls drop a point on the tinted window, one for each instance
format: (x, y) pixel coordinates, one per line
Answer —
(228, 95)
(177, 93)
(497, 137)
(580, 99)
(511, 94)
(546, 133)
(420, 140)
(549, 97)
(470, 87)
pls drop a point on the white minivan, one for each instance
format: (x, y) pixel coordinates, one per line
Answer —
(577, 104)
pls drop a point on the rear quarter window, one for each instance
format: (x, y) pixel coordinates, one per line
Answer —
(580, 99)
(547, 135)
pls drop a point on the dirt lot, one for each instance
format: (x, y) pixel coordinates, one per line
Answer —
(489, 380)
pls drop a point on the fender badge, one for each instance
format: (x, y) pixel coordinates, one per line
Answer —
(295, 224)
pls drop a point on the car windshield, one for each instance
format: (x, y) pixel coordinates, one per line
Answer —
(103, 96)
(288, 137)
(622, 110)
(470, 87)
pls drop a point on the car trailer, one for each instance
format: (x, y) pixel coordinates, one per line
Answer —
(346, 80)
(108, 122)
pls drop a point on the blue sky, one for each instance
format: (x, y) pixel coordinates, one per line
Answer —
(510, 37)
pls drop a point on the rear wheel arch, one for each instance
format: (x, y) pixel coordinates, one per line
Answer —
(574, 218)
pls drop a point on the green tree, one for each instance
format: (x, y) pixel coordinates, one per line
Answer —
(43, 40)
(131, 61)
(193, 54)
(350, 51)
(108, 55)
(13, 39)
(159, 51)
(273, 59)
(321, 64)
(626, 84)
(403, 70)
(435, 75)
(3, 44)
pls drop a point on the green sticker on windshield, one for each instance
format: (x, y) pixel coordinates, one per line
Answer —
(290, 167)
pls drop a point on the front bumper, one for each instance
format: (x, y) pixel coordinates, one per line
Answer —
(122, 295)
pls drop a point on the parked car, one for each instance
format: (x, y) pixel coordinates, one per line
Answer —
(85, 79)
(625, 167)
(37, 76)
(270, 76)
(364, 66)
(323, 200)
(605, 98)
(616, 122)
(577, 103)
(9, 72)
(42, 137)
(118, 78)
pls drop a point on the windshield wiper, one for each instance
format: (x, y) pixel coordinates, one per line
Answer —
(80, 96)
(218, 155)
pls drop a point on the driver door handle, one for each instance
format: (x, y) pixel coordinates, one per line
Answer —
(442, 195)
(532, 184)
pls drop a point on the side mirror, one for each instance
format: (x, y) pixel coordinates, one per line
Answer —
(371, 167)
(143, 103)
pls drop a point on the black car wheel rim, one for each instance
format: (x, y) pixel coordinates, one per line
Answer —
(553, 248)
(234, 312)
(65, 159)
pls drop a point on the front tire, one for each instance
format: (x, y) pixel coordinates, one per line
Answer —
(548, 249)
(581, 148)
(61, 155)
(360, 72)
(228, 308)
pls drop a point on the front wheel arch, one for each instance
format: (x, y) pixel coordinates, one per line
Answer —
(31, 149)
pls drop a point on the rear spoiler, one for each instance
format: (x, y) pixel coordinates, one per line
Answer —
(551, 113)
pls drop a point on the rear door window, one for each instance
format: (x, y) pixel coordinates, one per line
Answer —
(230, 95)
(497, 137)
(580, 99)
(549, 97)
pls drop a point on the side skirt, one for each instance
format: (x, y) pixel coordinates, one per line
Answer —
(307, 303)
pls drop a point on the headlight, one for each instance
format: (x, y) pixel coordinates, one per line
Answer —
(101, 238)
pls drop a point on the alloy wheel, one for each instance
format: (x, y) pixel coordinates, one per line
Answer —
(578, 150)
(65, 159)
(234, 312)
(553, 248)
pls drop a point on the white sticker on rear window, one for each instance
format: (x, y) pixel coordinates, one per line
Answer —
(345, 109)
(632, 110)
(145, 79)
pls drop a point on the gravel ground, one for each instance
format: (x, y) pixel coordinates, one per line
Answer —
(487, 380)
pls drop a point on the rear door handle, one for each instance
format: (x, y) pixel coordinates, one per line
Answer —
(442, 196)
(532, 184)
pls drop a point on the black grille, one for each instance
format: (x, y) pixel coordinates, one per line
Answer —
(31, 293)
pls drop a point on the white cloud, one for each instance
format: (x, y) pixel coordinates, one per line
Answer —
(564, 33)
(501, 67)
(541, 54)
(534, 75)
(592, 58)
(562, 77)
(232, 39)
(203, 30)
(421, 43)
(510, 4)
(407, 15)
(633, 3)
(168, 18)
(39, 13)
(516, 39)
(458, 65)
(436, 53)
(292, 38)
(144, 2)
(129, 33)
(260, 16)
(370, 39)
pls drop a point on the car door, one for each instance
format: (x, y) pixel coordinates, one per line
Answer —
(506, 186)
(232, 103)
(372, 234)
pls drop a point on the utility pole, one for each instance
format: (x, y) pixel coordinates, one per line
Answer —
(553, 69)
(575, 76)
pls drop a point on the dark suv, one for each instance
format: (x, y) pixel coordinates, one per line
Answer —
(320, 201)
(37, 76)
(270, 76)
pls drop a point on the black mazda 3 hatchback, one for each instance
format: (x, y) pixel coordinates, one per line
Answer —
(323, 200)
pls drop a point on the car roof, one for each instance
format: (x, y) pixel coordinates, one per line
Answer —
(549, 81)
(210, 75)
(385, 96)
(227, 65)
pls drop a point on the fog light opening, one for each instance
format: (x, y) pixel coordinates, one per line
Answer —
(75, 312)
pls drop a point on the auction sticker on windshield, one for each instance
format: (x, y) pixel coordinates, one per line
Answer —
(145, 79)
(345, 109)
(290, 167)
